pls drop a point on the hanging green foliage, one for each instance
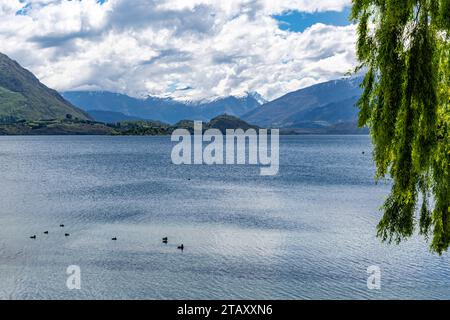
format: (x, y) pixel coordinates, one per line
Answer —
(405, 47)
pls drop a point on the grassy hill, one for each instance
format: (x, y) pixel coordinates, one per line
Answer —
(23, 96)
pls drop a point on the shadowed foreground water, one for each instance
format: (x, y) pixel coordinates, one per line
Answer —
(307, 233)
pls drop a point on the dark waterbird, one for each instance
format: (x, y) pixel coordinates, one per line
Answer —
(61, 225)
(165, 239)
(33, 237)
(67, 234)
(114, 239)
(45, 232)
(181, 247)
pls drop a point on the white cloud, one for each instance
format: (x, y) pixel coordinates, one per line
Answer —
(205, 48)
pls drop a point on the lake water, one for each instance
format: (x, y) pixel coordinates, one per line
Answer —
(307, 233)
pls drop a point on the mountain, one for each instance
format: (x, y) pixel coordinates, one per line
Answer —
(162, 109)
(323, 108)
(233, 106)
(320, 106)
(110, 116)
(23, 96)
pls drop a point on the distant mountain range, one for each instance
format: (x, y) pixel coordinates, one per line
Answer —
(323, 108)
(102, 105)
(23, 96)
(319, 106)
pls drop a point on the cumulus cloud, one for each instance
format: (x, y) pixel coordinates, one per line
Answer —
(186, 49)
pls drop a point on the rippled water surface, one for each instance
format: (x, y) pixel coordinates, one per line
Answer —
(308, 232)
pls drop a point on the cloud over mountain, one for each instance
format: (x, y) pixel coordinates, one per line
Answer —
(197, 49)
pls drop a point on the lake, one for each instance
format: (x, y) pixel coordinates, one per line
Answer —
(307, 233)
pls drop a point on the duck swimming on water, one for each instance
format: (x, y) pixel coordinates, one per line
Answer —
(181, 247)
(33, 237)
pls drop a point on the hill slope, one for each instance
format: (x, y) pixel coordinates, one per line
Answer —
(322, 105)
(23, 96)
(110, 116)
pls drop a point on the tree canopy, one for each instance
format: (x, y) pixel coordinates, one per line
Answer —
(404, 47)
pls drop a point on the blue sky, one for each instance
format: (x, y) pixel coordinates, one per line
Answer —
(185, 49)
(299, 21)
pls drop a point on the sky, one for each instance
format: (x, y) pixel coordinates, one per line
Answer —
(184, 49)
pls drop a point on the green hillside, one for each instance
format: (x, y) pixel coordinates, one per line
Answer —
(23, 96)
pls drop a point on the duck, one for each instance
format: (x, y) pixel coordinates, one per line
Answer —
(165, 239)
(67, 234)
(33, 237)
(114, 239)
(61, 225)
(45, 232)
(181, 247)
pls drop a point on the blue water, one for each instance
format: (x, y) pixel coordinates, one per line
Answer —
(307, 233)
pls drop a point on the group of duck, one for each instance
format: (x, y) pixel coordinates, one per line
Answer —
(46, 232)
(165, 240)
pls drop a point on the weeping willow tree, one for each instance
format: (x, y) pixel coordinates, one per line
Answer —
(404, 45)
